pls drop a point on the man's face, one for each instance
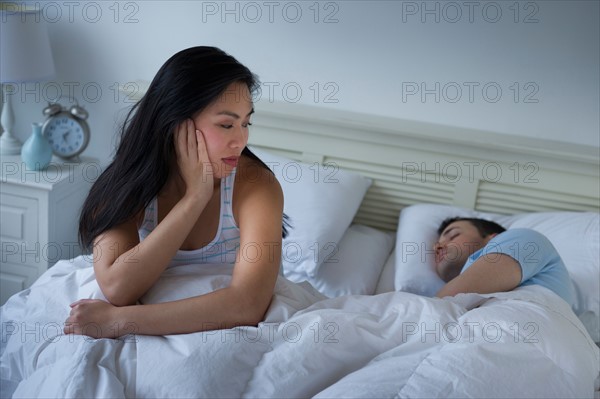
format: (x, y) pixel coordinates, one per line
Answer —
(456, 243)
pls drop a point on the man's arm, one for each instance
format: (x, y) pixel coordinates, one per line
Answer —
(493, 272)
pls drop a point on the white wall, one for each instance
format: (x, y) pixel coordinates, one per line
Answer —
(370, 56)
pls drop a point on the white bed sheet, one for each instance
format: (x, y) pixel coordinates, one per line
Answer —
(526, 343)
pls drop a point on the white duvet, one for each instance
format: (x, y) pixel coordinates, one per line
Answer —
(526, 343)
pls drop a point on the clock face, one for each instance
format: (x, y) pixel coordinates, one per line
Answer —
(67, 135)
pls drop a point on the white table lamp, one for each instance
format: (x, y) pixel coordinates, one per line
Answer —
(25, 56)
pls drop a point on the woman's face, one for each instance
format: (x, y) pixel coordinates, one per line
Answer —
(224, 125)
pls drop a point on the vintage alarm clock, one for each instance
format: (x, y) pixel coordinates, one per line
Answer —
(66, 129)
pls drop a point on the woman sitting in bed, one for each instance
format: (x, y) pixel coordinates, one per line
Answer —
(183, 188)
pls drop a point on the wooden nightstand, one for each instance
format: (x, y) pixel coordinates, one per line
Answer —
(39, 216)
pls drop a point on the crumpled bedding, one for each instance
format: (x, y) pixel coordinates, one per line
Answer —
(524, 343)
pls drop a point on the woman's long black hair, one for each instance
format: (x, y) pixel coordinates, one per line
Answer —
(186, 84)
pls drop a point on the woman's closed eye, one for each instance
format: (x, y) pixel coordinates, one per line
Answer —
(245, 125)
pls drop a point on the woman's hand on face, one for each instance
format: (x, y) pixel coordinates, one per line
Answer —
(95, 318)
(192, 158)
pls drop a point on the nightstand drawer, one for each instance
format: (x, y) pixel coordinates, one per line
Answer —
(19, 217)
(15, 278)
(39, 214)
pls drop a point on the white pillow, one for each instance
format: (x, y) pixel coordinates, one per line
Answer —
(321, 201)
(356, 266)
(575, 235)
(388, 275)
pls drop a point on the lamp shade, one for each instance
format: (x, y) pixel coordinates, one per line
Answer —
(25, 53)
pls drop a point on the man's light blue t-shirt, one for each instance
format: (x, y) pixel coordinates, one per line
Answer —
(539, 261)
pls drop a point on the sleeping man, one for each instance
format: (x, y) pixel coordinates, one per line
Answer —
(477, 255)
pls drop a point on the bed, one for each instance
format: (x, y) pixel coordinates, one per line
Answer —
(353, 313)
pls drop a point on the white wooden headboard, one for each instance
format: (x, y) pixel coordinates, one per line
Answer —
(415, 162)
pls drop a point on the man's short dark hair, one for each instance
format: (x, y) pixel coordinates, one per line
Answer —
(485, 227)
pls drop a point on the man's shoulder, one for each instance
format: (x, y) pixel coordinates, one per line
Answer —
(523, 238)
(520, 233)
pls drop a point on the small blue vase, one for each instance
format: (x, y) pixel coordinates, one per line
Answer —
(36, 151)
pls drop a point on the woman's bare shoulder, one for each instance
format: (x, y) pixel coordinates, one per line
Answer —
(251, 173)
(252, 179)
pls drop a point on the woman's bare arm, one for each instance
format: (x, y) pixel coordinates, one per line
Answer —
(244, 302)
(125, 267)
